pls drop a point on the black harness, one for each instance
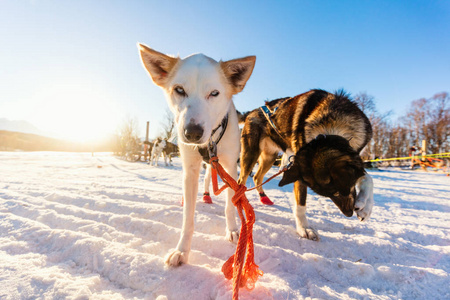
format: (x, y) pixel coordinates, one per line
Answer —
(211, 150)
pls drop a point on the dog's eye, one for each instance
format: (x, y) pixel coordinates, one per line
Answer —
(180, 91)
(214, 93)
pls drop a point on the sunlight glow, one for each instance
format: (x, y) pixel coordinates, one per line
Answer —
(75, 112)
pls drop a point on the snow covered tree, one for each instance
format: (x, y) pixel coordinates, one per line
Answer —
(128, 134)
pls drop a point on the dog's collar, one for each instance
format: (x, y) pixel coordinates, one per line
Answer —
(211, 150)
(268, 114)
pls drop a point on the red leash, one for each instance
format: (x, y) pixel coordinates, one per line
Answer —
(270, 178)
(241, 265)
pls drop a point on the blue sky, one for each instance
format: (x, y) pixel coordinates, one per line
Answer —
(72, 67)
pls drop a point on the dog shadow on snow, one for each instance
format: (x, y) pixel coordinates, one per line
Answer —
(160, 180)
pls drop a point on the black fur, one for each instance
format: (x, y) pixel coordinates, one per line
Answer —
(327, 163)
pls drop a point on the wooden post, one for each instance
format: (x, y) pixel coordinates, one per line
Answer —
(424, 149)
(146, 142)
(424, 153)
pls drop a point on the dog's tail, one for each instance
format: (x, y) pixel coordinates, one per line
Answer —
(242, 116)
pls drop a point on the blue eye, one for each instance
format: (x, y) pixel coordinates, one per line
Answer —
(214, 93)
(180, 91)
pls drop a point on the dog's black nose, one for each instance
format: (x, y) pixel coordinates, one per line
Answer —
(193, 132)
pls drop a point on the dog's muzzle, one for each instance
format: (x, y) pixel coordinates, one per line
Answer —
(193, 132)
(345, 203)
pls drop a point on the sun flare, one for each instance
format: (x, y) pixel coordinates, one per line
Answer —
(77, 115)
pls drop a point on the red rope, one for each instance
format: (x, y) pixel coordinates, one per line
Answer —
(270, 178)
(241, 266)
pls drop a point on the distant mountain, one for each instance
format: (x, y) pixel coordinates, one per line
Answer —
(19, 141)
(19, 126)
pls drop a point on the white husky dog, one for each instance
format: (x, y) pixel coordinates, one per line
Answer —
(199, 92)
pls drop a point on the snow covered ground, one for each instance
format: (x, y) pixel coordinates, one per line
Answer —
(73, 226)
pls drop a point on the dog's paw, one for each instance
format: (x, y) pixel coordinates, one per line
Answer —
(207, 198)
(363, 208)
(364, 200)
(232, 236)
(176, 258)
(308, 233)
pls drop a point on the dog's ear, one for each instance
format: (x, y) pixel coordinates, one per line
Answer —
(291, 175)
(157, 64)
(238, 71)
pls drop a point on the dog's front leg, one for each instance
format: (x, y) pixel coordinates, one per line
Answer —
(364, 201)
(231, 233)
(206, 184)
(303, 229)
(207, 179)
(191, 171)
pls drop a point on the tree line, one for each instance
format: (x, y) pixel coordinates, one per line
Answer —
(426, 119)
(128, 133)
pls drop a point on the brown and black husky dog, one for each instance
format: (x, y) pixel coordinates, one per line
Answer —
(326, 132)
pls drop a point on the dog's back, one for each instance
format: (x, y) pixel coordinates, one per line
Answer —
(336, 114)
(304, 117)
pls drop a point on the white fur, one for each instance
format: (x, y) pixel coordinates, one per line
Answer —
(199, 76)
(228, 154)
(301, 223)
(285, 158)
(364, 200)
(207, 179)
